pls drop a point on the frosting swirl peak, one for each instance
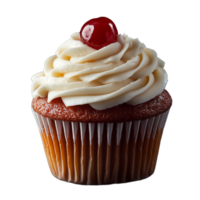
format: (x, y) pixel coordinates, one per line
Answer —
(122, 72)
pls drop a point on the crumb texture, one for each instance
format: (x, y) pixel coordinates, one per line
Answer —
(85, 113)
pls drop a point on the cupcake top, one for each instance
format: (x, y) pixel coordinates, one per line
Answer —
(103, 73)
(57, 110)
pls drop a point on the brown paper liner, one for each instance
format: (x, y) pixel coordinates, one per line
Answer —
(101, 153)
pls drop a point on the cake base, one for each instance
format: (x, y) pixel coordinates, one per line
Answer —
(92, 153)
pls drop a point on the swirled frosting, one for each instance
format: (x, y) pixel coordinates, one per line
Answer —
(122, 72)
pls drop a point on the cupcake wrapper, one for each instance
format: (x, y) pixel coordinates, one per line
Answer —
(101, 153)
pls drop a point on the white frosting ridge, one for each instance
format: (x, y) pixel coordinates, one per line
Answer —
(122, 72)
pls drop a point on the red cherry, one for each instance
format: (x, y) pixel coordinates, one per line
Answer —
(98, 32)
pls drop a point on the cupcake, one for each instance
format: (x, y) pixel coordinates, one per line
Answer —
(101, 106)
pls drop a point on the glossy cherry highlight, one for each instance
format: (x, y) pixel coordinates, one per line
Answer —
(98, 32)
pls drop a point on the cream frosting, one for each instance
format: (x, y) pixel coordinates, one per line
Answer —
(122, 72)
